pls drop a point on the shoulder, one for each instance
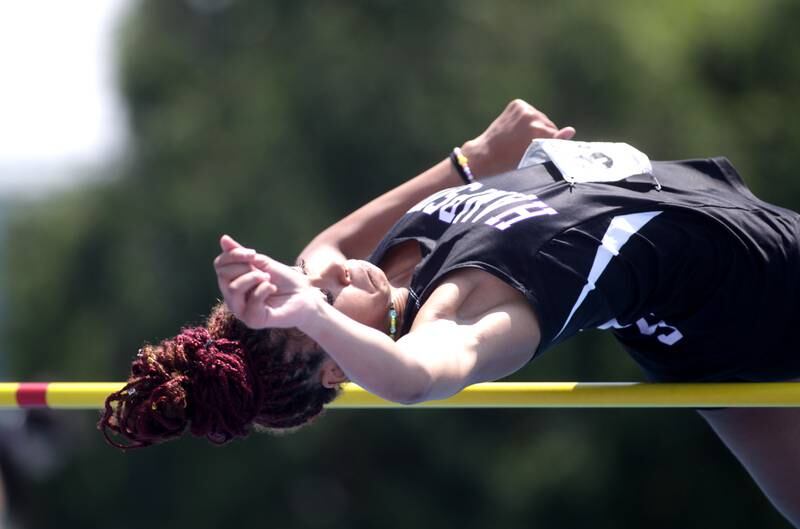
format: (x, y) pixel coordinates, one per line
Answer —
(487, 324)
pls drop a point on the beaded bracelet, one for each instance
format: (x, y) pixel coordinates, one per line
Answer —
(461, 164)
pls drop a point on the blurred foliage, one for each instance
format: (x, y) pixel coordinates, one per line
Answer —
(270, 120)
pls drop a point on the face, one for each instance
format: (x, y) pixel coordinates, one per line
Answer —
(359, 289)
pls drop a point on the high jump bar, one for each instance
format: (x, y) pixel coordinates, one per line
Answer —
(92, 395)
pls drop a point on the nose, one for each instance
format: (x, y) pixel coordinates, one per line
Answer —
(336, 272)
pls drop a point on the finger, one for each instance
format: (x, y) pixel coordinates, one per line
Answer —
(256, 296)
(255, 311)
(236, 255)
(232, 271)
(543, 121)
(231, 268)
(260, 294)
(540, 130)
(567, 133)
(261, 261)
(236, 291)
(227, 243)
(247, 281)
(518, 104)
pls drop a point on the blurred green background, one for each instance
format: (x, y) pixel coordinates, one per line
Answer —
(269, 120)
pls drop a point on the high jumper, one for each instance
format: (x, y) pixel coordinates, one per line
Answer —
(478, 265)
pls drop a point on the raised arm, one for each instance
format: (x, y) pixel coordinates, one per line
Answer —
(439, 357)
(496, 150)
(447, 349)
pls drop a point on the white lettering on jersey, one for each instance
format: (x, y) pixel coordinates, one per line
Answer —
(520, 213)
(473, 203)
(647, 329)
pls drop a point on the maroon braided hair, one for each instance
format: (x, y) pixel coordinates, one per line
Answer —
(216, 381)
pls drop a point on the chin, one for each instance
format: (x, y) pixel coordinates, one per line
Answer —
(379, 278)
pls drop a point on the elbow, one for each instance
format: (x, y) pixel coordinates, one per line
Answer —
(408, 399)
(411, 391)
(406, 396)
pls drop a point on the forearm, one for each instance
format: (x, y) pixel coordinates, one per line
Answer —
(368, 357)
(496, 150)
(356, 235)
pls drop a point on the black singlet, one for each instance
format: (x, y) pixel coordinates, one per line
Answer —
(697, 280)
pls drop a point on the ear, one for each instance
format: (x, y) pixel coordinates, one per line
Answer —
(331, 375)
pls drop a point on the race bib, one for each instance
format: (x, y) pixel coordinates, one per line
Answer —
(582, 161)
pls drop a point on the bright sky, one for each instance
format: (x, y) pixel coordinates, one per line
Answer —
(59, 109)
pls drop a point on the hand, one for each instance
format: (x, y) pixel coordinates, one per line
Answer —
(499, 148)
(262, 292)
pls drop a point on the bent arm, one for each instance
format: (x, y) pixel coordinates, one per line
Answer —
(436, 360)
(368, 357)
(496, 150)
(443, 353)
(358, 233)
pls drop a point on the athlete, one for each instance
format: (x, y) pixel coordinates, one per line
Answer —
(450, 280)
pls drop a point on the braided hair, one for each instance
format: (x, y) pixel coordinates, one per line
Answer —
(218, 381)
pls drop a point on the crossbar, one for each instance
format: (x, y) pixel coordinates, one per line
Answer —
(92, 395)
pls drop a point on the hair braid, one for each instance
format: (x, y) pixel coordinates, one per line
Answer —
(216, 381)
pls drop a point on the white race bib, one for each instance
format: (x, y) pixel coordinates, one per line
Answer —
(582, 161)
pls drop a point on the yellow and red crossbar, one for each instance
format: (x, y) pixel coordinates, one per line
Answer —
(91, 395)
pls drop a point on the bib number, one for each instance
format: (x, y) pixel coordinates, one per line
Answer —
(583, 162)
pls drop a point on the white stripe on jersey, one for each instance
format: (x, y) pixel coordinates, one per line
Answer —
(617, 234)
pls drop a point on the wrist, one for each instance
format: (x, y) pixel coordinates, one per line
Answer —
(476, 153)
(316, 316)
(460, 163)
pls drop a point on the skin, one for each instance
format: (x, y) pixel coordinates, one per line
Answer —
(766, 442)
(458, 338)
(472, 328)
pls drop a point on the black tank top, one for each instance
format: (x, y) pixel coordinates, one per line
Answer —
(690, 270)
